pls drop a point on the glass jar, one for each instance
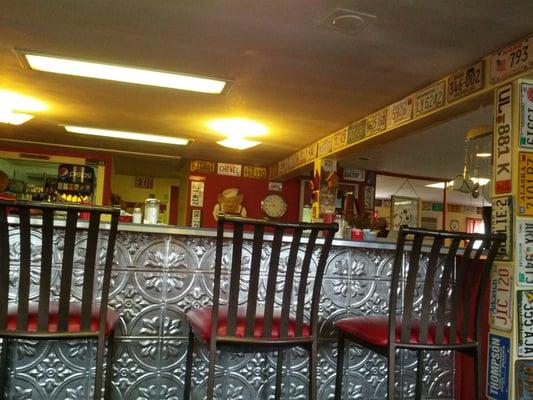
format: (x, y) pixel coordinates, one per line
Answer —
(137, 215)
(151, 211)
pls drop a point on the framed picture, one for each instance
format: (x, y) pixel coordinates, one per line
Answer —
(405, 211)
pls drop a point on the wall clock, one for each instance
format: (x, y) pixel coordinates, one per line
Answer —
(274, 206)
(454, 225)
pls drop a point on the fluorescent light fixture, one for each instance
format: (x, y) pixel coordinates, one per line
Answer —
(483, 155)
(238, 143)
(89, 69)
(17, 102)
(440, 185)
(237, 127)
(146, 137)
(481, 181)
(14, 118)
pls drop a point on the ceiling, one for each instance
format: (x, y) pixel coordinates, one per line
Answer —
(290, 68)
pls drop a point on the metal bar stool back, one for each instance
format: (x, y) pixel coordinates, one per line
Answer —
(434, 304)
(63, 274)
(272, 295)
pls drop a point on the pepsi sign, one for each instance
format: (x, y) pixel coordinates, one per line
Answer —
(75, 178)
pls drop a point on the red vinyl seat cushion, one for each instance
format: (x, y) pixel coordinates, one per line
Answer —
(74, 320)
(200, 320)
(375, 330)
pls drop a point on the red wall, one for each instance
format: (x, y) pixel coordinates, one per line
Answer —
(254, 190)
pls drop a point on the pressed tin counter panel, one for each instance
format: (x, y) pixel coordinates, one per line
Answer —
(157, 277)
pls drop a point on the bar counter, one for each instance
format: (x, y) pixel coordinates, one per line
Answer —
(160, 272)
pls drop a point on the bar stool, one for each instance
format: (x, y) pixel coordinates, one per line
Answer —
(447, 287)
(44, 315)
(261, 324)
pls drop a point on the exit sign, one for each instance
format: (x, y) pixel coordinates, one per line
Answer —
(144, 182)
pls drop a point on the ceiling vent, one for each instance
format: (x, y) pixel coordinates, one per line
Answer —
(347, 21)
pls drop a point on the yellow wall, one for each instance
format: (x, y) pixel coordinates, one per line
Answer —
(124, 186)
(461, 217)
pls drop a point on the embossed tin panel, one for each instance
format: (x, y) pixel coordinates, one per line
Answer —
(157, 278)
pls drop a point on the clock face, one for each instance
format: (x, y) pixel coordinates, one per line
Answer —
(274, 205)
(454, 225)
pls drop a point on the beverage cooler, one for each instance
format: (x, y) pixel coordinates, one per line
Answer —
(74, 184)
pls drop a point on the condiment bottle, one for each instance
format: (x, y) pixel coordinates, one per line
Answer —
(137, 215)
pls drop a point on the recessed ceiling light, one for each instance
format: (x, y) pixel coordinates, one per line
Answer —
(481, 181)
(146, 137)
(440, 185)
(237, 127)
(90, 69)
(14, 118)
(483, 155)
(238, 143)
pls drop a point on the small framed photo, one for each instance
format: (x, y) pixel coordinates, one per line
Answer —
(275, 186)
(405, 211)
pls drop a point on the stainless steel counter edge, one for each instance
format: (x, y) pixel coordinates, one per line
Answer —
(211, 232)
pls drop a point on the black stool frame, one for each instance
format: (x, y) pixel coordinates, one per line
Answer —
(460, 293)
(45, 223)
(248, 342)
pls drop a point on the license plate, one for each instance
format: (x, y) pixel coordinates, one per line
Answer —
(502, 139)
(525, 322)
(430, 99)
(339, 139)
(498, 367)
(376, 122)
(511, 60)
(500, 308)
(356, 131)
(526, 115)
(525, 181)
(524, 379)
(466, 81)
(400, 112)
(524, 251)
(325, 146)
(502, 220)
